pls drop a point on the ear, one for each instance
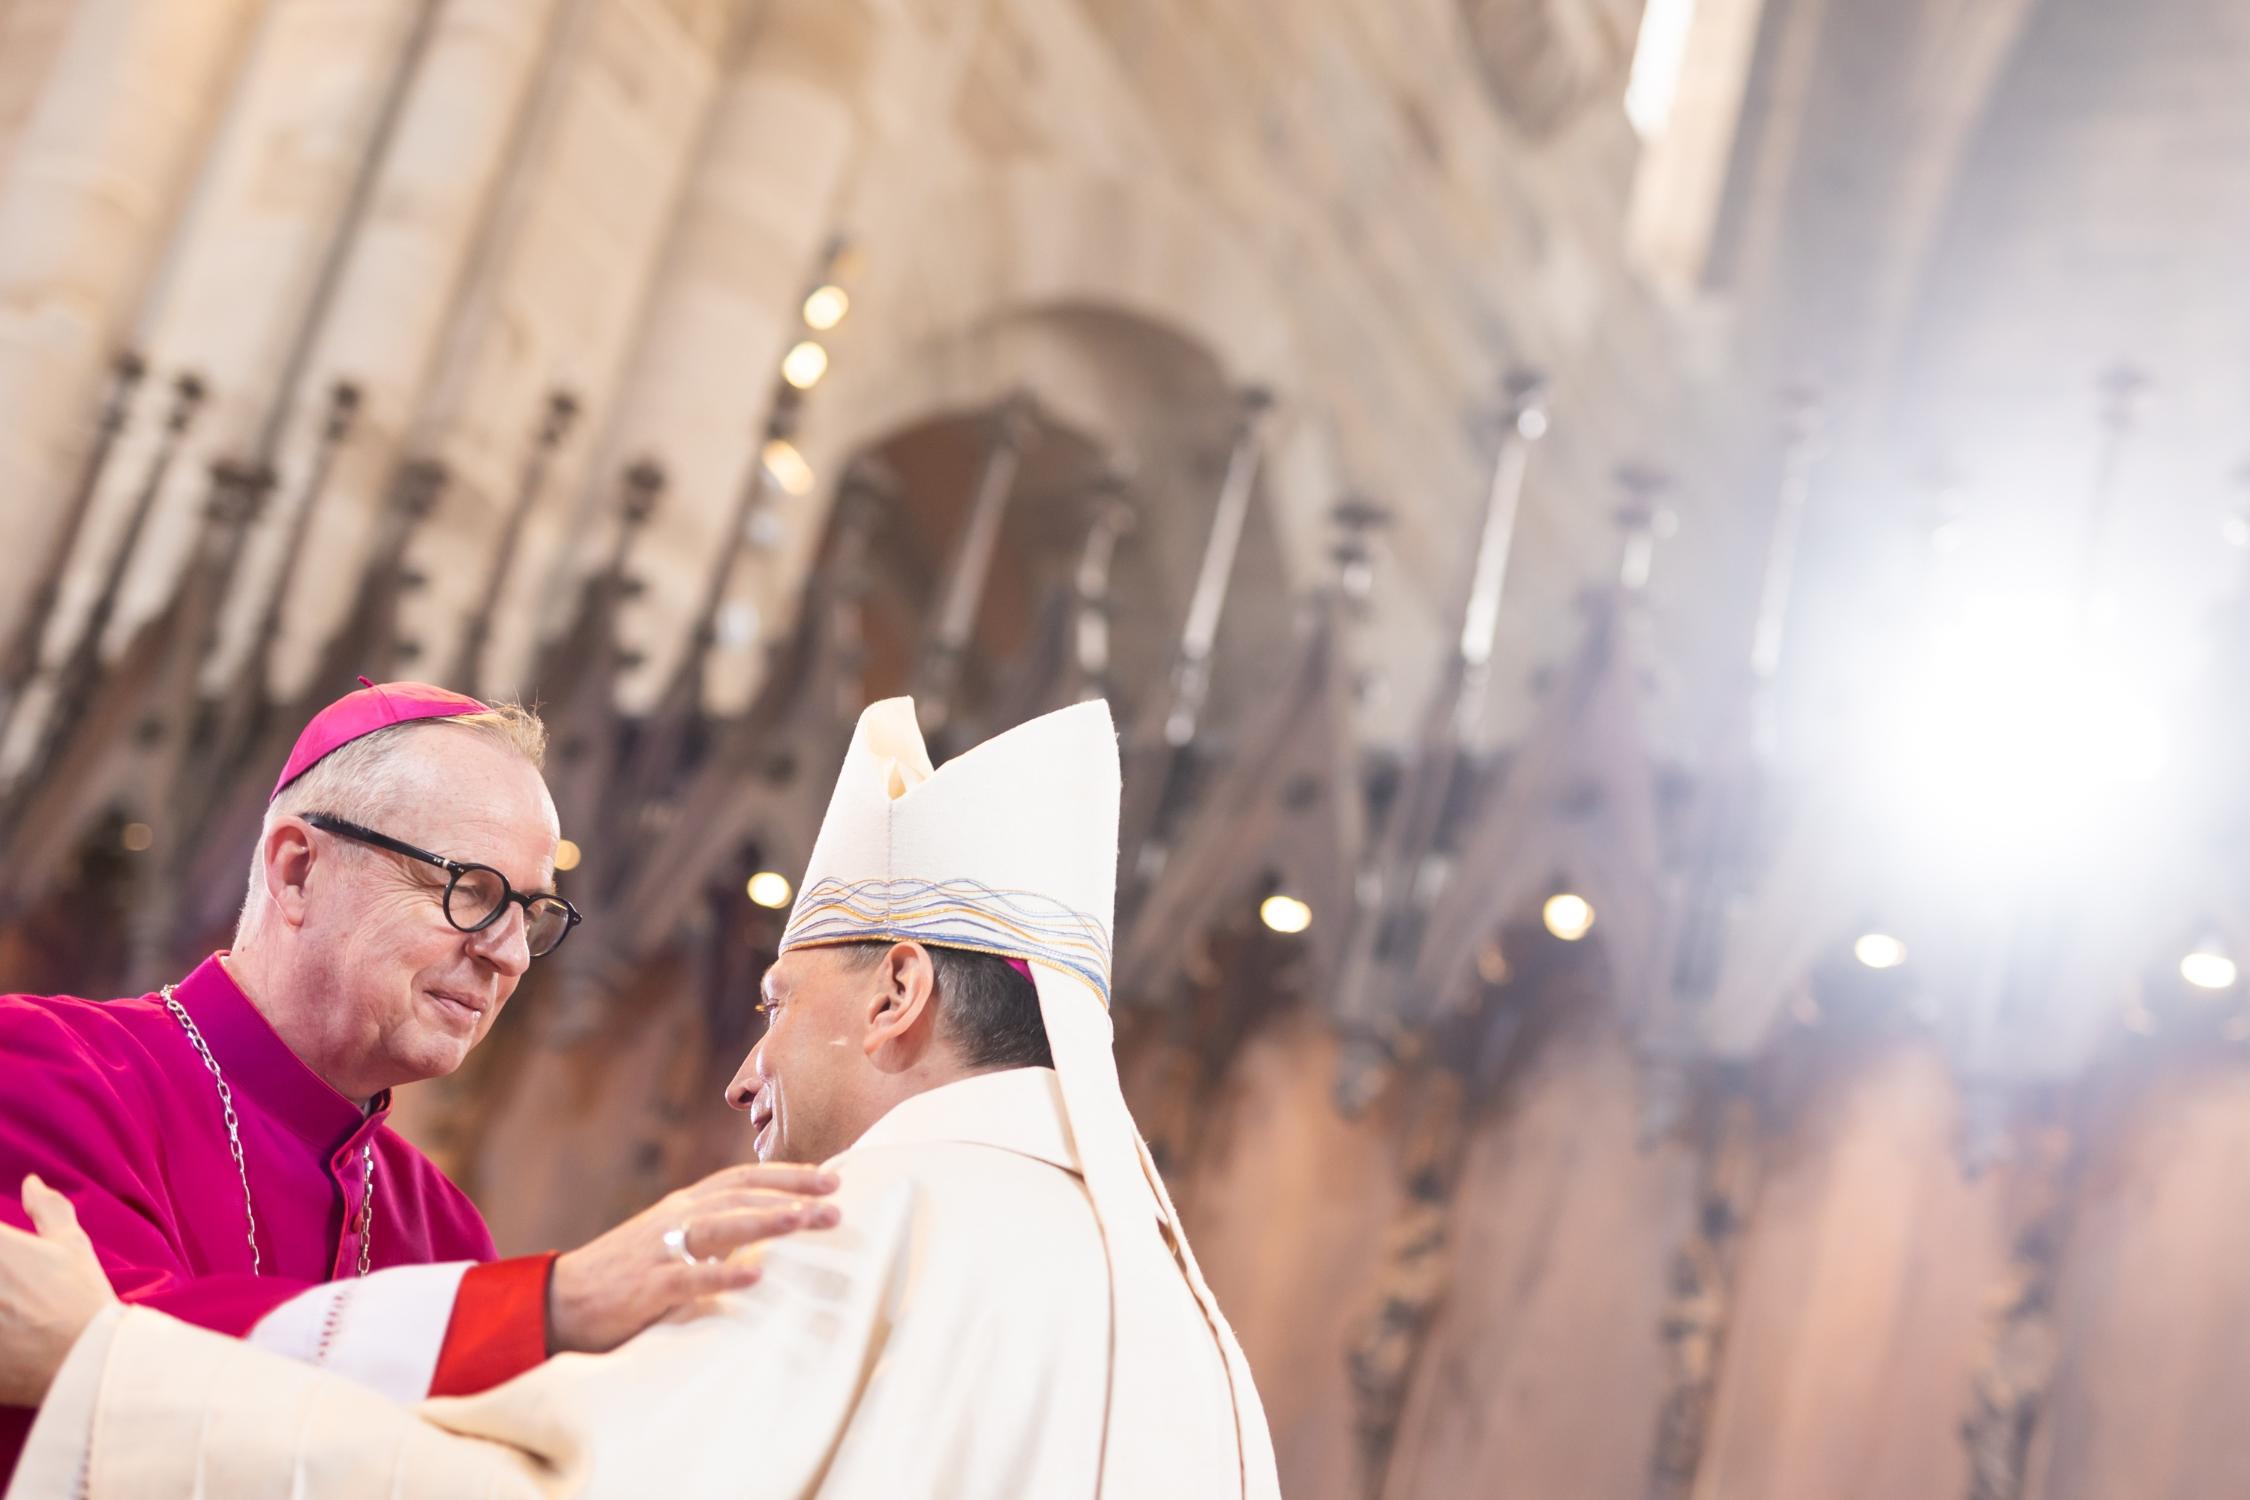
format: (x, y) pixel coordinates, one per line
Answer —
(286, 857)
(901, 1013)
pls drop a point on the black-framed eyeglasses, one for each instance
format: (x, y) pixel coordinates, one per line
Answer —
(476, 896)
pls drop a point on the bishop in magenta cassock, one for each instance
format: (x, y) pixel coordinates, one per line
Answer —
(224, 1181)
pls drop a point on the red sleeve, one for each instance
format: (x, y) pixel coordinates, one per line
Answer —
(499, 1325)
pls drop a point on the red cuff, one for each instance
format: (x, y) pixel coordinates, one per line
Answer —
(499, 1325)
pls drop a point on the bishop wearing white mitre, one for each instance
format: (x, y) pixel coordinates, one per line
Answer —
(1009, 1306)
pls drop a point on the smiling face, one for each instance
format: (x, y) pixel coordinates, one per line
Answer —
(383, 989)
(808, 1085)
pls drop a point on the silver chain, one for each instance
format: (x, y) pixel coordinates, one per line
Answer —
(366, 1223)
(366, 1206)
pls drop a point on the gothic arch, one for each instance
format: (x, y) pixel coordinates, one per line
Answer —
(956, 273)
(963, 256)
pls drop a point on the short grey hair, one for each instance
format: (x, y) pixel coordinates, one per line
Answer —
(363, 778)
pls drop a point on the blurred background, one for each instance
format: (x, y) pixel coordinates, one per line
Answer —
(1676, 578)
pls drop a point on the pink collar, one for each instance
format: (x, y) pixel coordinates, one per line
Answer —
(259, 1064)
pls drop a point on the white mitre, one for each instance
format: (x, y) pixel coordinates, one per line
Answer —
(1011, 849)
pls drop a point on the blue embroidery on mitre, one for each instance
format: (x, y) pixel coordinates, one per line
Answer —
(954, 914)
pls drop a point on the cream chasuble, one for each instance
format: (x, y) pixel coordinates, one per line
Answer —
(950, 1337)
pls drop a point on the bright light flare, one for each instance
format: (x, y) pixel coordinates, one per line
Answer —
(1659, 56)
(804, 364)
(787, 466)
(2014, 737)
(1285, 914)
(770, 889)
(1569, 917)
(567, 856)
(2208, 971)
(1879, 950)
(825, 307)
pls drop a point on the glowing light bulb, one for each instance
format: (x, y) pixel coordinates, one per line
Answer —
(2208, 971)
(770, 889)
(1569, 917)
(804, 364)
(787, 466)
(567, 855)
(1285, 913)
(1879, 950)
(825, 307)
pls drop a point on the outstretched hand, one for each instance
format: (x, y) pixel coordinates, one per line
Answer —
(51, 1287)
(613, 1287)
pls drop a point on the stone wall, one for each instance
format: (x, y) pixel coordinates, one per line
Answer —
(462, 206)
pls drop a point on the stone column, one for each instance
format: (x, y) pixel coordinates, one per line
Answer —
(87, 194)
(757, 211)
(250, 259)
(430, 202)
(32, 33)
(556, 295)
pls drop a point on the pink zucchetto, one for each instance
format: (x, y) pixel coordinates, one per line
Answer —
(375, 706)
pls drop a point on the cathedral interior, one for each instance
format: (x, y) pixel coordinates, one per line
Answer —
(1670, 574)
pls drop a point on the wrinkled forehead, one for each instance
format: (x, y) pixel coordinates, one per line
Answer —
(466, 796)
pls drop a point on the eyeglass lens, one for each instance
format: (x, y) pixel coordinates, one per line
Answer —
(477, 895)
